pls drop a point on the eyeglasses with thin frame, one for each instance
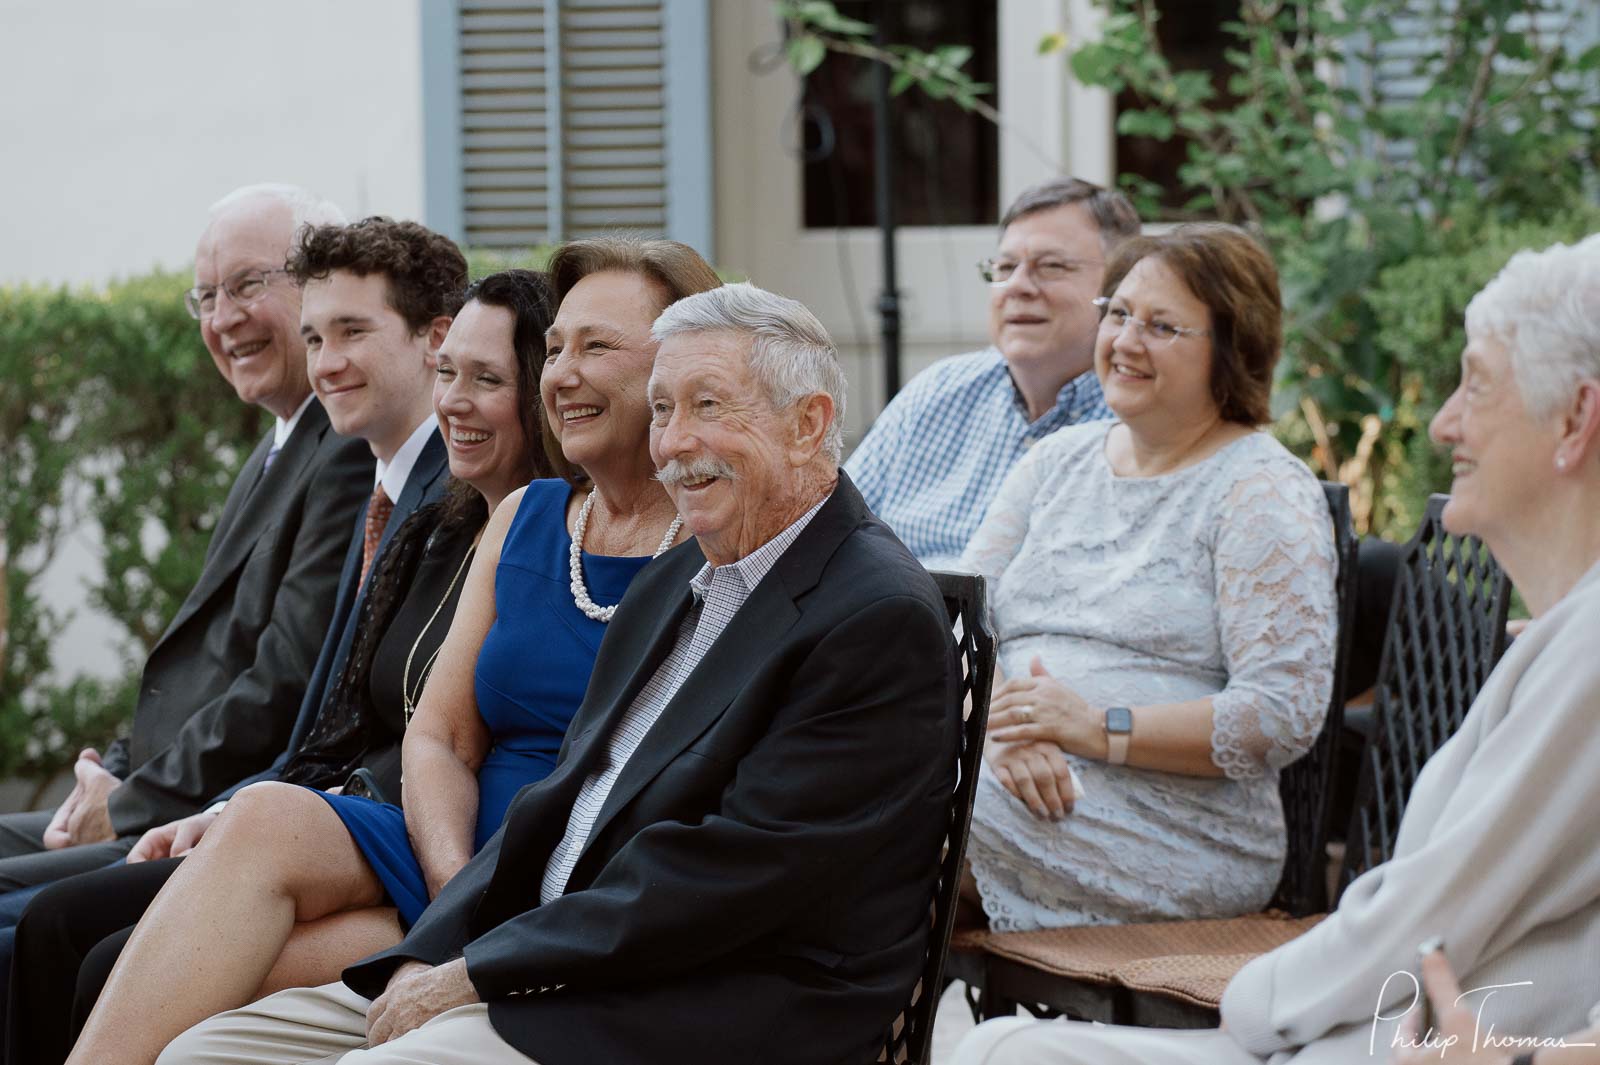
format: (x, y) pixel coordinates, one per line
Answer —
(999, 271)
(243, 288)
(1114, 320)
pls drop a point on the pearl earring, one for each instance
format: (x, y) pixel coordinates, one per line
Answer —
(1561, 462)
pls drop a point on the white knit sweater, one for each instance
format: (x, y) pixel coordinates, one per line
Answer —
(1497, 853)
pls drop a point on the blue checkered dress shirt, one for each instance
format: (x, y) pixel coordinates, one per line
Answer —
(936, 455)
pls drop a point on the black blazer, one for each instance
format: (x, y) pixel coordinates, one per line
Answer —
(424, 485)
(220, 688)
(757, 885)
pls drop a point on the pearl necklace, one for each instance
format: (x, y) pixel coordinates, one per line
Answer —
(580, 594)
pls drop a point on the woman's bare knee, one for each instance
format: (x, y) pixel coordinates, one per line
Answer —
(293, 841)
(257, 830)
(266, 813)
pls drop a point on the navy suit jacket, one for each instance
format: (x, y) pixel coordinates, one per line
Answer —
(425, 485)
(757, 884)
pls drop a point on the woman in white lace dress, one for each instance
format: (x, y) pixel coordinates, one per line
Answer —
(1163, 590)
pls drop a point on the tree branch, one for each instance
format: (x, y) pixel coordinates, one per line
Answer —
(899, 64)
(1540, 71)
(1469, 117)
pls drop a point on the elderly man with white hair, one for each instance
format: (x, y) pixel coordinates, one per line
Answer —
(220, 688)
(1495, 862)
(734, 857)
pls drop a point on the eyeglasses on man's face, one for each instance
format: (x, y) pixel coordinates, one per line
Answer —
(1115, 319)
(242, 288)
(1044, 270)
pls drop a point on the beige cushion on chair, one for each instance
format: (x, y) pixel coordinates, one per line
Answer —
(973, 940)
(1188, 960)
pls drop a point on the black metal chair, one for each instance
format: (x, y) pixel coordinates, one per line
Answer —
(1446, 631)
(910, 1038)
(1304, 785)
(1378, 565)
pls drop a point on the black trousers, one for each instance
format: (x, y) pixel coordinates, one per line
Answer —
(67, 941)
(24, 862)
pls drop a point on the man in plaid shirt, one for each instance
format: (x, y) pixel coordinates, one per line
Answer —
(937, 454)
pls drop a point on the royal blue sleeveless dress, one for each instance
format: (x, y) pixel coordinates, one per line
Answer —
(531, 675)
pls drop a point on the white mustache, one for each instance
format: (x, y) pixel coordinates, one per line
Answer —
(677, 471)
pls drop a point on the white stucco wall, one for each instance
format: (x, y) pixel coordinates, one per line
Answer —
(121, 122)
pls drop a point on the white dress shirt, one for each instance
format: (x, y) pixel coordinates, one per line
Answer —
(281, 428)
(394, 473)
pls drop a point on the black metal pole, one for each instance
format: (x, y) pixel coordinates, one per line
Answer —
(889, 296)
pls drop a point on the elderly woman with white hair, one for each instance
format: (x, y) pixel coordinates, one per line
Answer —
(1495, 854)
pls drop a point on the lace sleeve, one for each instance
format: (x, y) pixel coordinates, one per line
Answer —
(1005, 524)
(1274, 572)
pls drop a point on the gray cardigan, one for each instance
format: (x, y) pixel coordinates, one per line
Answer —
(1497, 853)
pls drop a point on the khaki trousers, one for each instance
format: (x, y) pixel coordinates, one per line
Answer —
(1022, 1041)
(327, 1024)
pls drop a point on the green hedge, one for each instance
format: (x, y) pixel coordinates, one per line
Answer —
(1419, 306)
(1410, 348)
(110, 390)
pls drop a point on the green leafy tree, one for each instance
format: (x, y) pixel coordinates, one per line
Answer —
(1369, 202)
(1347, 185)
(816, 27)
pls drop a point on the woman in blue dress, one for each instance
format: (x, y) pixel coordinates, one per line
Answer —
(335, 877)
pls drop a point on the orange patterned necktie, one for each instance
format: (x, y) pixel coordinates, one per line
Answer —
(378, 510)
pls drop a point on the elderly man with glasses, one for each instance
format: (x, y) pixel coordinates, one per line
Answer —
(937, 454)
(220, 689)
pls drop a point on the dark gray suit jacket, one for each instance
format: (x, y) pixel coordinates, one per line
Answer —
(220, 688)
(757, 884)
(425, 485)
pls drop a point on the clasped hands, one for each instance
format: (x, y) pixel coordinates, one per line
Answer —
(1032, 721)
(416, 994)
(1039, 707)
(85, 816)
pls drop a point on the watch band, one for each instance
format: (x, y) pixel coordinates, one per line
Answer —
(1119, 728)
(1117, 748)
(1523, 1059)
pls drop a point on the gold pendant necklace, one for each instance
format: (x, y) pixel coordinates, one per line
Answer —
(408, 697)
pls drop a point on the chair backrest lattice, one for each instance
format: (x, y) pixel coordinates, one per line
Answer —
(909, 1040)
(1447, 629)
(1304, 785)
